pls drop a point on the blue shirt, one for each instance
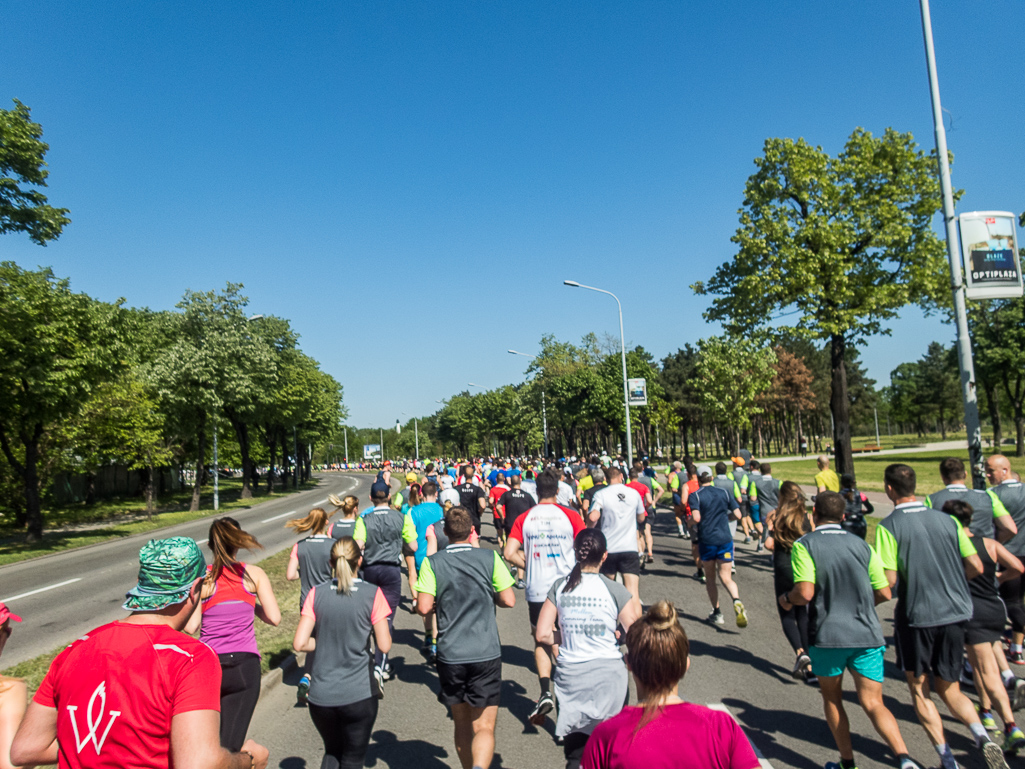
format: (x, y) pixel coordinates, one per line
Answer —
(715, 506)
(424, 516)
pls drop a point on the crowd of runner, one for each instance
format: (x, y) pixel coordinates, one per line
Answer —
(176, 683)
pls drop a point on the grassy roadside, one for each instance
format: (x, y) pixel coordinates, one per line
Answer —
(125, 517)
(275, 643)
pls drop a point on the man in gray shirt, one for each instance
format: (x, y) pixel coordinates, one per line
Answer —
(1011, 494)
(930, 559)
(464, 584)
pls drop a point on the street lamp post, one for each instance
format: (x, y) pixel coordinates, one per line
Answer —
(964, 347)
(622, 341)
(217, 473)
(416, 434)
(544, 412)
(345, 430)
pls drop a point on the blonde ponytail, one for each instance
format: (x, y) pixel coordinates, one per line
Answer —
(345, 557)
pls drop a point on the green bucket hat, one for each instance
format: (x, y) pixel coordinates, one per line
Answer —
(167, 569)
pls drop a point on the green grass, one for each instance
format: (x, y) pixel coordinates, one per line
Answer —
(275, 643)
(123, 517)
(869, 469)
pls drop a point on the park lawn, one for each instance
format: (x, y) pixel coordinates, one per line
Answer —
(869, 469)
(275, 643)
(124, 518)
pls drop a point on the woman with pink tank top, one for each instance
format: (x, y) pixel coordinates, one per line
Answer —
(225, 620)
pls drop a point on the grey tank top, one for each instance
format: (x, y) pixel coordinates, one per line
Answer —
(465, 602)
(343, 663)
(1012, 494)
(384, 537)
(314, 555)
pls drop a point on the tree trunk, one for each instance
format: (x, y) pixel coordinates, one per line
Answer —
(1019, 430)
(273, 447)
(150, 486)
(993, 404)
(197, 486)
(840, 406)
(242, 434)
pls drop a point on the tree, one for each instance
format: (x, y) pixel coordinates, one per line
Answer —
(999, 343)
(733, 373)
(56, 346)
(21, 163)
(841, 243)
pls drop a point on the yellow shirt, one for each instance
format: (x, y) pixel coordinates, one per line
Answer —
(585, 483)
(827, 479)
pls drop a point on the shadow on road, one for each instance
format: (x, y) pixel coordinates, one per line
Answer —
(386, 747)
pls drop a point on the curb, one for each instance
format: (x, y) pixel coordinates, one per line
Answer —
(274, 677)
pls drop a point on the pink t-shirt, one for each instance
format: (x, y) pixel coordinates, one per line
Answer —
(683, 736)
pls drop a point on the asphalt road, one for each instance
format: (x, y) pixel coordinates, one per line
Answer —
(62, 596)
(746, 671)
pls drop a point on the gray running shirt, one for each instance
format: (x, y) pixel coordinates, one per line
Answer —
(768, 492)
(925, 548)
(1012, 494)
(343, 528)
(343, 663)
(314, 554)
(384, 537)
(842, 615)
(464, 581)
(981, 502)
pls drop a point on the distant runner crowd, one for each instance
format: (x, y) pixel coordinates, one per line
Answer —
(176, 683)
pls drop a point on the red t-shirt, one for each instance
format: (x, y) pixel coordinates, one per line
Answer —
(117, 688)
(496, 493)
(682, 735)
(546, 532)
(641, 489)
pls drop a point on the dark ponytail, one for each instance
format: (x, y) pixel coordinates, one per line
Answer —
(589, 547)
(226, 538)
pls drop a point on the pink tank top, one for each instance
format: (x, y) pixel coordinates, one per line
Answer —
(229, 614)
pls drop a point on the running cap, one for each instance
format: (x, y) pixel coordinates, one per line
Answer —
(738, 461)
(412, 477)
(380, 489)
(704, 470)
(5, 614)
(167, 569)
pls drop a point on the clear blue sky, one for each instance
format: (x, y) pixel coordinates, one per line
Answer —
(410, 183)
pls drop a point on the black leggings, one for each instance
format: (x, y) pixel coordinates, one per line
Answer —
(240, 689)
(573, 745)
(795, 625)
(1011, 592)
(389, 579)
(345, 730)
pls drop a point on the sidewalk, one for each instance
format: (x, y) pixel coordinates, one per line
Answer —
(938, 446)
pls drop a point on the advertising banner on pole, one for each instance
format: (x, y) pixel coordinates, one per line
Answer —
(989, 247)
(371, 450)
(637, 392)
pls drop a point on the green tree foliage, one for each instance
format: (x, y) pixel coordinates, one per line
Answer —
(838, 244)
(926, 393)
(22, 168)
(733, 373)
(56, 347)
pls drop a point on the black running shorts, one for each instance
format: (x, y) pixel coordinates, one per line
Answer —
(936, 650)
(478, 684)
(622, 563)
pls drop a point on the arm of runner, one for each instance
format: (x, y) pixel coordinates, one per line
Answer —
(513, 552)
(36, 740)
(630, 613)
(877, 576)
(379, 621)
(886, 548)
(969, 555)
(1003, 524)
(502, 582)
(432, 540)
(594, 510)
(545, 632)
(292, 571)
(1012, 565)
(303, 640)
(426, 588)
(196, 744)
(409, 531)
(804, 578)
(359, 532)
(267, 609)
(191, 627)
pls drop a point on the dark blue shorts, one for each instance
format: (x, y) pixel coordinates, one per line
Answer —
(709, 553)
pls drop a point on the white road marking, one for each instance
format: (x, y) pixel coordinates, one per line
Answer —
(40, 590)
(276, 517)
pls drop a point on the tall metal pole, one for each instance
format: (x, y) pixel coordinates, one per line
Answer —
(964, 346)
(416, 432)
(876, 412)
(295, 464)
(382, 444)
(346, 431)
(544, 419)
(217, 473)
(626, 390)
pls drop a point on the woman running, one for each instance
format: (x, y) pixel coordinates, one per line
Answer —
(337, 621)
(590, 678)
(13, 695)
(225, 620)
(858, 507)
(989, 617)
(346, 525)
(789, 523)
(663, 728)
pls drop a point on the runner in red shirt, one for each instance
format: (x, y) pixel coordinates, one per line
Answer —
(497, 511)
(137, 693)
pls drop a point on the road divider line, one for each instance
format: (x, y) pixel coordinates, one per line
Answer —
(40, 590)
(277, 517)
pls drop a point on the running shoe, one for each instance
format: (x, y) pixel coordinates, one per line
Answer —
(803, 661)
(993, 756)
(303, 689)
(716, 617)
(986, 718)
(650, 558)
(520, 584)
(747, 540)
(835, 765)
(1016, 657)
(432, 654)
(738, 607)
(379, 680)
(811, 678)
(1016, 693)
(1014, 741)
(702, 578)
(686, 534)
(542, 708)
(387, 672)
(759, 547)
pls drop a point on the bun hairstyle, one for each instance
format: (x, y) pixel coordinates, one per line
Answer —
(349, 506)
(658, 650)
(315, 521)
(226, 539)
(345, 555)
(590, 547)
